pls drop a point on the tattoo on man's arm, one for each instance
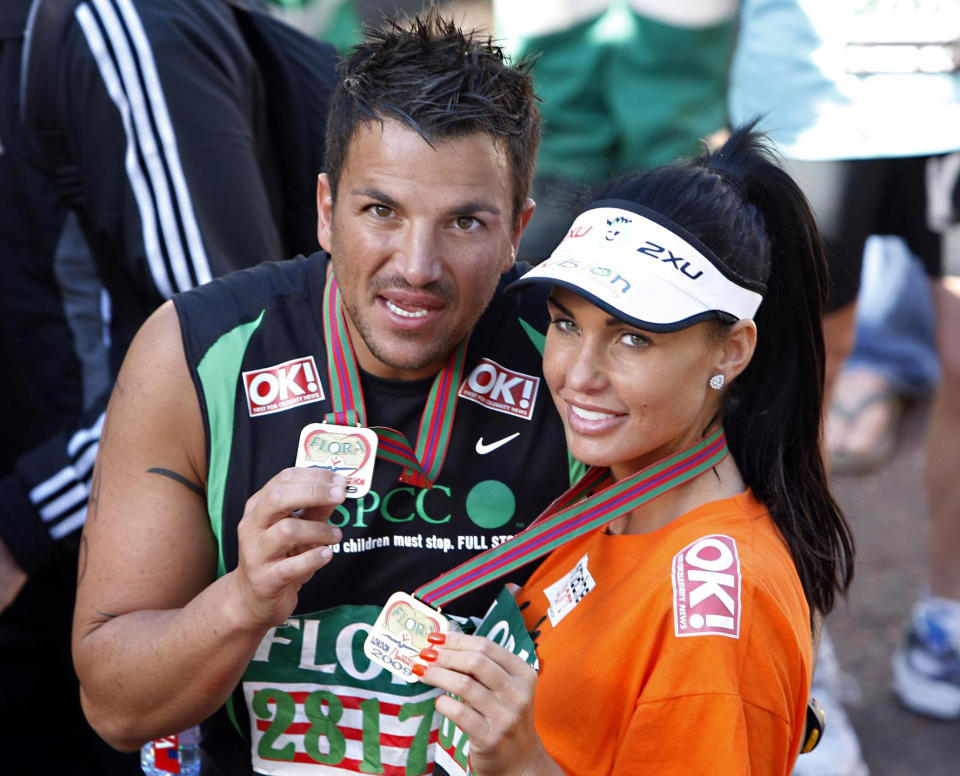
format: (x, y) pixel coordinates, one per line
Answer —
(177, 478)
(84, 551)
(93, 500)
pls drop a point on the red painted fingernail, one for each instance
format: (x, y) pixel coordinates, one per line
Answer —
(418, 669)
(428, 654)
(437, 638)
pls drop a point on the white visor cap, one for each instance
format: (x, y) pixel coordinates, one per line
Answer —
(640, 267)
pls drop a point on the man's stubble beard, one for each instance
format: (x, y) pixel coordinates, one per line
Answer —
(435, 354)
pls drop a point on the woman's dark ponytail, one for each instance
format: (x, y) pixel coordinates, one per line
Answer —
(775, 409)
(755, 218)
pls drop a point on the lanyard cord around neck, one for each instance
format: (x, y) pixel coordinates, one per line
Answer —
(421, 466)
(571, 515)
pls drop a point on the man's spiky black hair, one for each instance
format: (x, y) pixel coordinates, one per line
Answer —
(442, 82)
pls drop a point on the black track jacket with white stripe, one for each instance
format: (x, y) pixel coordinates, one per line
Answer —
(187, 136)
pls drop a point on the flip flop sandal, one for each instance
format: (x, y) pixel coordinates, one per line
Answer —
(861, 462)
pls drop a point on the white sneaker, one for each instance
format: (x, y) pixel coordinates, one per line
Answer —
(926, 668)
(838, 753)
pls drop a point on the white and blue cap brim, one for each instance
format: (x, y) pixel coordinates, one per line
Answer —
(641, 267)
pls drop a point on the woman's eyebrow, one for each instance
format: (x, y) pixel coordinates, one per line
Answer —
(611, 320)
(552, 300)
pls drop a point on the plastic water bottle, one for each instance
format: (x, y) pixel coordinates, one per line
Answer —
(179, 754)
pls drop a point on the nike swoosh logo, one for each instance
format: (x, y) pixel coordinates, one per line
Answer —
(483, 449)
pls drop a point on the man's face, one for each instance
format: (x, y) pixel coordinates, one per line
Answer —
(419, 238)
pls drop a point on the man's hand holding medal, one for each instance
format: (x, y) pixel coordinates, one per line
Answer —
(284, 538)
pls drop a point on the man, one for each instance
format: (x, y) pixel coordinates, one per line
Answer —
(203, 589)
(184, 137)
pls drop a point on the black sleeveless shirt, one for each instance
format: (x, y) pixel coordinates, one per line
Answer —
(255, 348)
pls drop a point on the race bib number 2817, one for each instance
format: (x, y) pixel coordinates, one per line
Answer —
(317, 705)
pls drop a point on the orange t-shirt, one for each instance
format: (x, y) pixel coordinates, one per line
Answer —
(685, 650)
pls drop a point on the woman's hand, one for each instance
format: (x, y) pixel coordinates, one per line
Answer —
(496, 710)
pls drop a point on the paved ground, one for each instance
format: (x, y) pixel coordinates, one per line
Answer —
(888, 512)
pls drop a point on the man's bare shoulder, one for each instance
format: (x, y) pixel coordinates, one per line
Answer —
(160, 334)
(154, 398)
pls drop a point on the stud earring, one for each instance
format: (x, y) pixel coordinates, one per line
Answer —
(716, 382)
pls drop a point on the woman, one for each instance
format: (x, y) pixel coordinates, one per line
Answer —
(679, 635)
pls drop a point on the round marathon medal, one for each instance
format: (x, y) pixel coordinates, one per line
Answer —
(400, 632)
(350, 452)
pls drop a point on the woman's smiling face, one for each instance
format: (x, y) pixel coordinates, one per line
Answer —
(628, 397)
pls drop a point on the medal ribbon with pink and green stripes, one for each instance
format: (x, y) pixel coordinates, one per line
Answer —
(571, 516)
(421, 466)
